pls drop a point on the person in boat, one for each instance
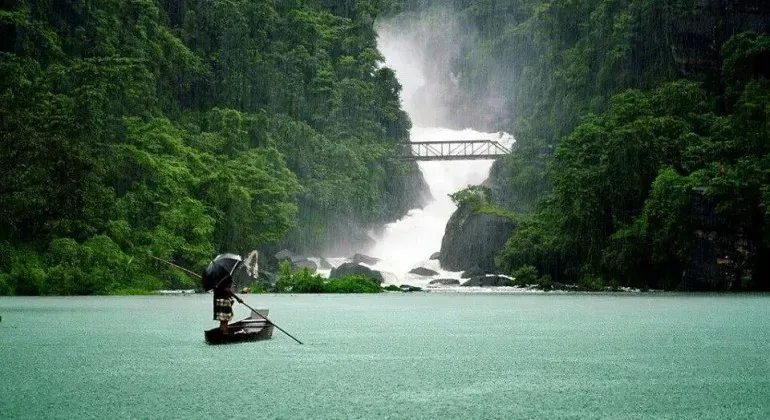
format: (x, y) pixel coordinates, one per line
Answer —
(223, 304)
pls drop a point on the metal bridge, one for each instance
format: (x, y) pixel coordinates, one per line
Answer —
(451, 150)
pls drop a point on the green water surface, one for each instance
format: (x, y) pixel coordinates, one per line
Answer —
(396, 356)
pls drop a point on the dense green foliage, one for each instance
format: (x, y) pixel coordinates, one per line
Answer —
(474, 196)
(637, 188)
(642, 128)
(303, 281)
(186, 128)
(352, 284)
(477, 199)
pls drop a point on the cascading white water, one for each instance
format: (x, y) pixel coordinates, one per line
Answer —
(409, 242)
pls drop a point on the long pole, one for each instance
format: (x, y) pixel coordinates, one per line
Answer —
(266, 319)
(192, 273)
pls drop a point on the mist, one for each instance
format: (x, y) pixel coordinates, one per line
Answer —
(428, 50)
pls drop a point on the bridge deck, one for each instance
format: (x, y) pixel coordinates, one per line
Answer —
(452, 150)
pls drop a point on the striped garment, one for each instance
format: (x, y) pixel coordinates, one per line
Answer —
(223, 305)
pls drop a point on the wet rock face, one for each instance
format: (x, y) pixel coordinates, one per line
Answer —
(704, 272)
(473, 239)
(695, 43)
(363, 259)
(719, 259)
(474, 271)
(298, 262)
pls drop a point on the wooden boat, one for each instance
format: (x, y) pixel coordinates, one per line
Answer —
(253, 328)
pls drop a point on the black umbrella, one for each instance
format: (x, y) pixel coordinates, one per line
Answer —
(220, 271)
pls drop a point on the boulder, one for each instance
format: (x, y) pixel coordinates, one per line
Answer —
(435, 256)
(408, 288)
(310, 265)
(473, 239)
(490, 280)
(422, 271)
(445, 282)
(363, 259)
(473, 272)
(284, 255)
(352, 269)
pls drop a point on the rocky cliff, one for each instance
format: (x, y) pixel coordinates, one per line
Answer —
(473, 238)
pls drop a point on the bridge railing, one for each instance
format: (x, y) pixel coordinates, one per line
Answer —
(452, 150)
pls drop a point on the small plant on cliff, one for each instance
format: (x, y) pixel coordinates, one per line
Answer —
(474, 196)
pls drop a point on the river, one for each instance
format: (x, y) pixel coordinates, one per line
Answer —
(397, 356)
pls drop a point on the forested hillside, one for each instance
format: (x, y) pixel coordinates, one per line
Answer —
(184, 128)
(644, 133)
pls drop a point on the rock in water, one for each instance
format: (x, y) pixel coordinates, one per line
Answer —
(298, 262)
(474, 271)
(422, 271)
(445, 282)
(435, 256)
(473, 239)
(489, 281)
(363, 259)
(352, 269)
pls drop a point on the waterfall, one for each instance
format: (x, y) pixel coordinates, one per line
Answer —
(410, 241)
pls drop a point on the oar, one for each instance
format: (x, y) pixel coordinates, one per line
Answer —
(266, 319)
